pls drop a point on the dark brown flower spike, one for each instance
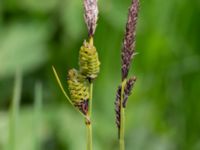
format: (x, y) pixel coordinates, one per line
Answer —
(128, 48)
(117, 107)
(91, 15)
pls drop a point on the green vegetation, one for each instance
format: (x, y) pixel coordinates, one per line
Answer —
(163, 111)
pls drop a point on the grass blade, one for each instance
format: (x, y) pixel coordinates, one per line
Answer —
(37, 111)
(14, 111)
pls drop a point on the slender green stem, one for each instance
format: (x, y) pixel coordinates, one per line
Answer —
(60, 85)
(122, 118)
(89, 136)
(88, 122)
(90, 100)
(91, 41)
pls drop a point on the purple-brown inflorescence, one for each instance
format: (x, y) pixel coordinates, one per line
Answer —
(117, 106)
(128, 48)
(127, 91)
(91, 15)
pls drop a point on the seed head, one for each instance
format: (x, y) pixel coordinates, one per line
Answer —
(88, 61)
(78, 90)
(128, 48)
(91, 15)
(128, 89)
(117, 107)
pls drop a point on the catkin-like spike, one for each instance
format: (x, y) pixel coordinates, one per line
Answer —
(91, 15)
(78, 89)
(88, 61)
(128, 48)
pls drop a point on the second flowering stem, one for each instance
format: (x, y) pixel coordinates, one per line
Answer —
(122, 118)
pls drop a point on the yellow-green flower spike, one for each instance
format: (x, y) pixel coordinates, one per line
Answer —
(79, 90)
(88, 60)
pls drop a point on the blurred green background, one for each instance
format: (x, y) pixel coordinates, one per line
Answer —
(163, 112)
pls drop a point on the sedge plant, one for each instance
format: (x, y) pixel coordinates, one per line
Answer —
(80, 81)
(126, 86)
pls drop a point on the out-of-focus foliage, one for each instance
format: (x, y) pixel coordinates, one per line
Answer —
(163, 111)
(22, 47)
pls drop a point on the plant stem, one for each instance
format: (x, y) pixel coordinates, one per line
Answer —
(89, 136)
(91, 41)
(90, 100)
(88, 122)
(88, 119)
(122, 118)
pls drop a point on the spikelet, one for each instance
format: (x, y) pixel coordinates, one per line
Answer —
(117, 107)
(91, 15)
(128, 89)
(128, 48)
(88, 61)
(127, 92)
(78, 89)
